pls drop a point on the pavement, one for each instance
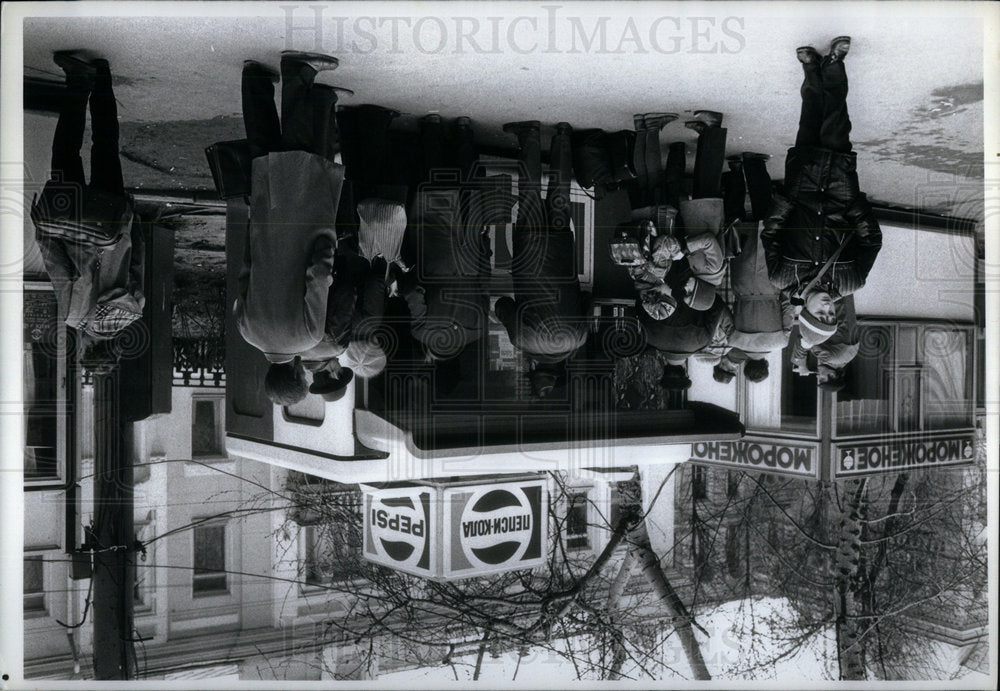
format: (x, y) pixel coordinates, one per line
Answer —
(916, 72)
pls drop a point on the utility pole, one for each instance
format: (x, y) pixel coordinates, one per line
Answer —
(113, 533)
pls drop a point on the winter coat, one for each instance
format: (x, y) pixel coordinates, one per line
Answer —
(687, 331)
(702, 221)
(288, 263)
(762, 315)
(821, 203)
(447, 294)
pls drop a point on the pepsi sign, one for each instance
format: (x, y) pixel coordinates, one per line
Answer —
(399, 529)
(494, 528)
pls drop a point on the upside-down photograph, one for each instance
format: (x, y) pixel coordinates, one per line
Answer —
(429, 344)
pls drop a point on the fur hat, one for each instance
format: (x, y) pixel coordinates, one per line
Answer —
(702, 297)
(366, 358)
(812, 330)
(331, 388)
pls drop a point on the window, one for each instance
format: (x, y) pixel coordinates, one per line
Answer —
(699, 482)
(733, 483)
(34, 586)
(145, 574)
(206, 439)
(332, 553)
(209, 560)
(576, 522)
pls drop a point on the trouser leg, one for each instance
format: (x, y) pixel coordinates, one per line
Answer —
(365, 146)
(673, 174)
(297, 113)
(638, 188)
(432, 142)
(708, 162)
(758, 183)
(66, 163)
(811, 115)
(530, 155)
(105, 166)
(654, 168)
(734, 191)
(260, 115)
(836, 128)
(326, 136)
(560, 173)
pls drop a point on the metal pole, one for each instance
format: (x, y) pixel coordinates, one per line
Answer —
(113, 530)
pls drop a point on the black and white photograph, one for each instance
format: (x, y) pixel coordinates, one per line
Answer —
(499, 344)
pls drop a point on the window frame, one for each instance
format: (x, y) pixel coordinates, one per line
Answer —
(224, 571)
(219, 427)
(42, 610)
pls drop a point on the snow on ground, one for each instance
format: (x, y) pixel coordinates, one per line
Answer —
(749, 640)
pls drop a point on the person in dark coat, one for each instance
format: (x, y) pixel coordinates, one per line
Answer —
(547, 318)
(295, 186)
(822, 208)
(447, 292)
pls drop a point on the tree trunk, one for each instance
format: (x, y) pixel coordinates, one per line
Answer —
(682, 619)
(615, 593)
(849, 648)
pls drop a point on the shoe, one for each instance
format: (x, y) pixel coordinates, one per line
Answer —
(522, 126)
(431, 118)
(639, 122)
(659, 120)
(564, 128)
(74, 63)
(712, 118)
(735, 162)
(838, 48)
(344, 90)
(318, 61)
(272, 74)
(807, 55)
(463, 121)
(696, 125)
(755, 156)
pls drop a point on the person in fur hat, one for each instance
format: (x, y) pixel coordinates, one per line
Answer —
(821, 237)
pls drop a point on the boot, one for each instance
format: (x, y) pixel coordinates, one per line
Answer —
(712, 118)
(807, 55)
(735, 162)
(659, 120)
(564, 128)
(838, 48)
(696, 125)
(263, 69)
(318, 61)
(639, 122)
(521, 126)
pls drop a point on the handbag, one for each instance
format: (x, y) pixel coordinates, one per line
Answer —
(74, 213)
(230, 166)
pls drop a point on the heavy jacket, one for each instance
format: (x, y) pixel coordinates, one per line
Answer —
(822, 202)
(702, 221)
(762, 315)
(286, 275)
(447, 294)
(98, 289)
(688, 331)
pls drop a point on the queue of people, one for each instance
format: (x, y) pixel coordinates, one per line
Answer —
(342, 218)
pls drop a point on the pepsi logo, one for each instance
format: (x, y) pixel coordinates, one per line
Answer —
(398, 524)
(496, 526)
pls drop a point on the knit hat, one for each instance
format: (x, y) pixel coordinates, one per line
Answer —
(650, 298)
(702, 297)
(812, 330)
(330, 387)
